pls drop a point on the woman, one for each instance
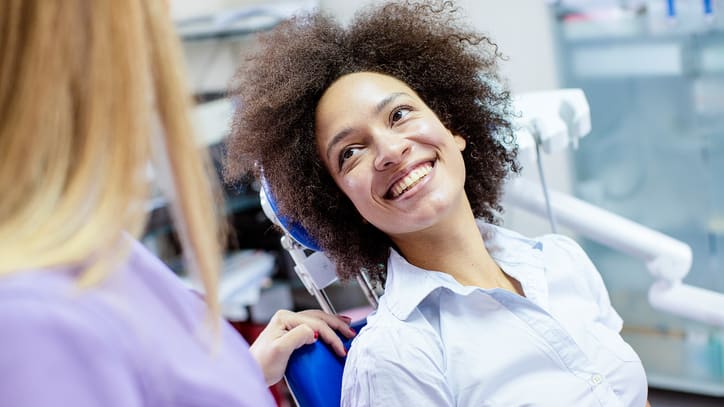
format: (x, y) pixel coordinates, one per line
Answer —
(89, 317)
(387, 139)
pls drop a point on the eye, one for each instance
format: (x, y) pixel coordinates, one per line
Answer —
(346, 154)
(399, 113)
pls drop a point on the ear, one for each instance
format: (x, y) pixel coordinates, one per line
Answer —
(460, 141)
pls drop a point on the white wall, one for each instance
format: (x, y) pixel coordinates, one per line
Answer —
(522, 29)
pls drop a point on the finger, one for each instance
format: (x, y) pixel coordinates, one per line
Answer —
(332, 321)
(347, 330)
(324, 324)
(330, 338)
(294, 339)
(280, 317)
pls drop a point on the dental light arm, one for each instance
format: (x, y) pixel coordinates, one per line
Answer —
(667, 259)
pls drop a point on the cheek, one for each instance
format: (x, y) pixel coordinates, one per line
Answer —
(352, 186)
(357, 189)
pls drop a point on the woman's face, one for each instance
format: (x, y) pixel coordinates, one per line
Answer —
(389, 153)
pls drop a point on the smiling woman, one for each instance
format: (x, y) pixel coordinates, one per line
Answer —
(389, 141)
(452, 69)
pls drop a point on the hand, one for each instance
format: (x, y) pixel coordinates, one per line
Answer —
(288, 331)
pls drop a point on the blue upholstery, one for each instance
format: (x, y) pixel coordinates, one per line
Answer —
(294, 229)
(314, 373)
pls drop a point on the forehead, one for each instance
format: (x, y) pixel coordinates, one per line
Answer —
(357, 93)
(364, 83)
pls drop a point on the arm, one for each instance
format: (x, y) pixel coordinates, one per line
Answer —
(287, 331)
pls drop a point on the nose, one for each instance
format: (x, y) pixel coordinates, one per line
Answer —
(391, 150)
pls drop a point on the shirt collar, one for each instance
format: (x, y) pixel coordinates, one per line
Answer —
(408, 285)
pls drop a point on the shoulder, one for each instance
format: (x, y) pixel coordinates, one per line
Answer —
(80, 357)
(568, 264)
(374, 340)
(564, 246)
(388, 351)
(30, 316)
(392, 362)
(565, 256)
(47, 305)
(83, 341)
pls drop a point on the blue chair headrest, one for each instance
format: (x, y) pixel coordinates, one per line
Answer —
(294, 229)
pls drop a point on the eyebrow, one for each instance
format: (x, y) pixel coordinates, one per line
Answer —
(347, 131)
(386, 101)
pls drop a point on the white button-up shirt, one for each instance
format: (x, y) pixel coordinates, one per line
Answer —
(434, 342)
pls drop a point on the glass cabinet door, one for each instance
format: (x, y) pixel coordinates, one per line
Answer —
(655, 86)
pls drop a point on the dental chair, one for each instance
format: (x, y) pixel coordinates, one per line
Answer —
(551, 121)
(314, 372)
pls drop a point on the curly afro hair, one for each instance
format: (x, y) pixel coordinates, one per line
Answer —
(451, 67)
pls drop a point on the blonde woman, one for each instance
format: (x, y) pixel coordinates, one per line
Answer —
(89, 317)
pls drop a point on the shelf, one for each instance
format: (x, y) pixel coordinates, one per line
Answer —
(619, 43)
(626, 60)
(240, 21)
(208, 28)
(712, 58)
(670, 56)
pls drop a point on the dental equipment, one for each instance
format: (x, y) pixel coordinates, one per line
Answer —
(668, 260)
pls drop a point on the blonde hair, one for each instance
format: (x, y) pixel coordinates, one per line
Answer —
(81, 84)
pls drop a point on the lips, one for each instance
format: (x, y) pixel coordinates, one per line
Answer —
(409, 180)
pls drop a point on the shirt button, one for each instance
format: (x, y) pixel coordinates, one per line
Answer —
(596, 379)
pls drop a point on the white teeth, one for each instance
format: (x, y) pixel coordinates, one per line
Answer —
(410, 179)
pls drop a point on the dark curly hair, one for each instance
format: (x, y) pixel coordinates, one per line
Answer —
(451, 67)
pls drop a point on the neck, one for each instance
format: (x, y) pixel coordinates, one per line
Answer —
(456, 247)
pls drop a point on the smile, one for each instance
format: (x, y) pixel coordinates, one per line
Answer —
(409, 180)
